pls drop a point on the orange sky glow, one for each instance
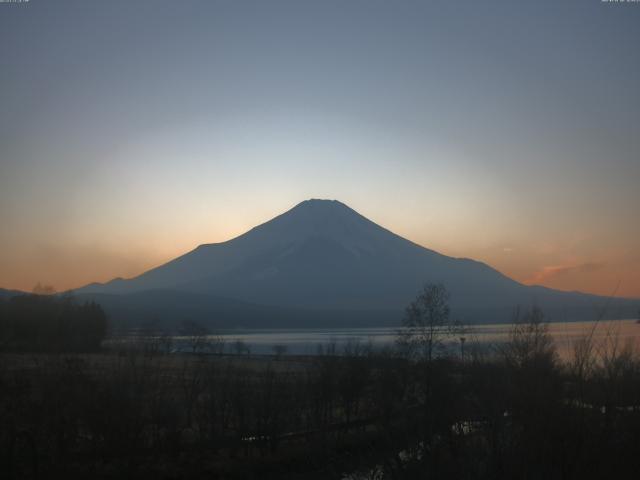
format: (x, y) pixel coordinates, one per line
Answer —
(130, 134)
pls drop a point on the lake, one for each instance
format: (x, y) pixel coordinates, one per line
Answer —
(306, 341)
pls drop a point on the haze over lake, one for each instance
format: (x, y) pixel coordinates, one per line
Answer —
(307, 341)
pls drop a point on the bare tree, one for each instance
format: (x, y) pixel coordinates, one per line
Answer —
(43, 289)
(279, 350)
(529, 340)
(427, 323)
(196, 335)
(241, 347)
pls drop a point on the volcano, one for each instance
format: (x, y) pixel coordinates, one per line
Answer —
(322, 263)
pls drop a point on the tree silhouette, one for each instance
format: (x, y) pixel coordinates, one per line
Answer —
(427, 323)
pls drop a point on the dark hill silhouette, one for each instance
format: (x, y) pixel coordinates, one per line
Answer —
(4, 293)
(322, 259)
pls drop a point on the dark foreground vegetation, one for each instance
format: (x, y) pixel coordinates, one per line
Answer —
(49, 323)
(513, 412)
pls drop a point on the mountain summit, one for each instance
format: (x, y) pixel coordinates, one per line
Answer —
(329, 220)
(323, 256)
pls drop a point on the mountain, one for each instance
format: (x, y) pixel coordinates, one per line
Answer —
(10, 293)
(323, 260)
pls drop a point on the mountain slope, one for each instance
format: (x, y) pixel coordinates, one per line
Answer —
(10, 293)
(322, 255)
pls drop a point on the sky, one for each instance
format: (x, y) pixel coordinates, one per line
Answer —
(508, 132)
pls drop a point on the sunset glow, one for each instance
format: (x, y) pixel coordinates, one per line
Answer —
(148, 138)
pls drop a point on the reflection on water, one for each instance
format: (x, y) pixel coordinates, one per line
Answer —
(306, 341)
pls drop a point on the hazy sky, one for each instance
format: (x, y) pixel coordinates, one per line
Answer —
(506, 131)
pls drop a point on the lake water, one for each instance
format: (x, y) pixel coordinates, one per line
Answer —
(307, 341)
